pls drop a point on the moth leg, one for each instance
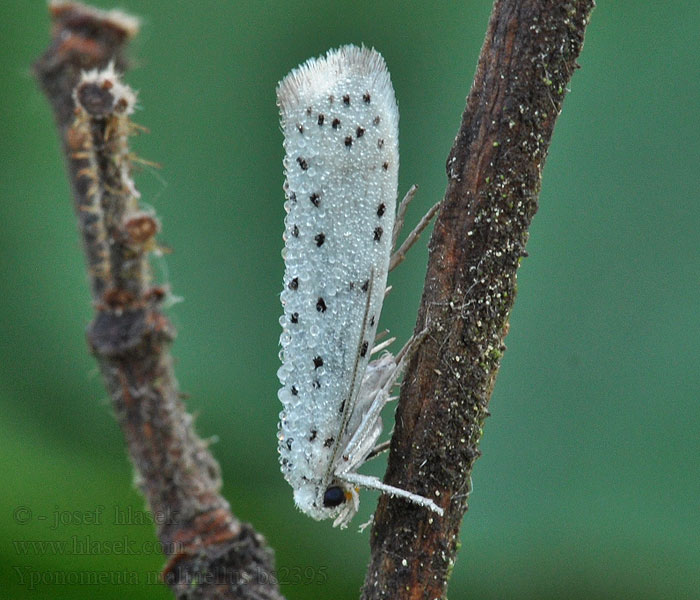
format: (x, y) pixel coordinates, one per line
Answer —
(364, 526)
(411, 346)
(381, 346)
(374, 483)
(360, 445)
(380, 334)
(378, 449)
(383, 395)
(401, 358)
(348, 511)
(401, 214)
(398, 256)
(351, 509)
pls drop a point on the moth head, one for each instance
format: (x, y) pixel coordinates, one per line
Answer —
(338, 500)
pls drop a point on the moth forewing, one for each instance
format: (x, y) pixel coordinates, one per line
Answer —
(340, 123)
(361, 361)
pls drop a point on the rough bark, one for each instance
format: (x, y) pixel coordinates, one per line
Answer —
(494, 172)
(211, 554)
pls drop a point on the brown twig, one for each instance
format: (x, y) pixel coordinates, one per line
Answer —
(494, 173)
(210, 553)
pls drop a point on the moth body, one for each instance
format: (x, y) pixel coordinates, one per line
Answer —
(340, 123)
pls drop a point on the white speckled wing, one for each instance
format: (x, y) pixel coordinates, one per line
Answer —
(340, 124)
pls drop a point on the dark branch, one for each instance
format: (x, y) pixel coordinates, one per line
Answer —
(494, 172)
(211, 553)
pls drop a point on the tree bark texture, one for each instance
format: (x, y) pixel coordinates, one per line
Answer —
(494, 173)
(211, 554)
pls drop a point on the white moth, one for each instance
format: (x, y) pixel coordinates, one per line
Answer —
(340, 123)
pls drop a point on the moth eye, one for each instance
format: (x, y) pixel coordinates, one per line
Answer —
(334, 496)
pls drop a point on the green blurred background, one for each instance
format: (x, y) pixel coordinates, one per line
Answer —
(589, 483)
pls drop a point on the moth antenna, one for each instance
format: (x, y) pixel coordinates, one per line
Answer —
(374, 483)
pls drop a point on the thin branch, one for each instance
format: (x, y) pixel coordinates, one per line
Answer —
(494, 172)
(211, 553)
